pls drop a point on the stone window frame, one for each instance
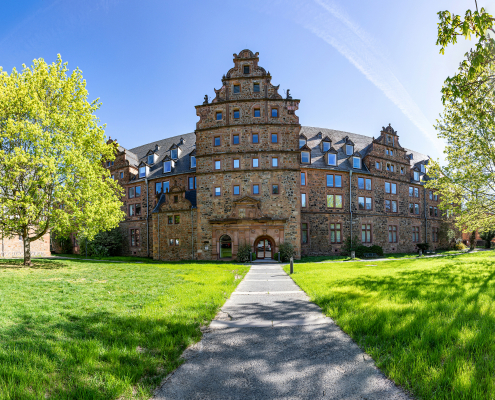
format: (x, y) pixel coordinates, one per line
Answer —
(330, 223)
(276, 136)
(216, 115)
(305, 205)
(252, 135)
(219, 137)
(307, 233)
(402, 170)
(391, 208)
(259, 87)
(271, 190)
(271, 112)
(370, 230)
(244, 69)
(256, 108)
(305, 178)
(253, 184)
(173, 242)
(233, 162)
(335, 202)
(233, 113)
(215, 191)
(193, 177)
(232, 139)
(365, 177)
(390, 167)
(137, 237)
(385, 187)
(238, 84)
(396, 233)
(252, 162)
(170, 219)
(435, 230)
(177, 218)
(271, 162)
(233, 186)
(215, 164)
(371, 197)
(121, 175)
(378, 165)
(413, 232)
(334, 181)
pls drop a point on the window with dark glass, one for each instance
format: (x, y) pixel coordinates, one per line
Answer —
(257, 112)
(171, 242)
(256, 87)
(237, 190)
(416, 209)
(335, 233)
(176, 199)
(274, 189)
(237, 88)
(151, 159)
(255, 138)
(431, 211)
(361, 203)
(135, 237)
(256, 189)
(138, 209)
(415, 234)
(166, 187)
(216, 141)
(436, 212)
(219, 115)
(304, 233)
(131, 192)
(235, 139)
(170, 219)
(274, 112)
(434, 234)
(246, 69)
(411, 208)
(274, 137)
(237, 114)
(131, 210)
(366, 233)
(392, 233)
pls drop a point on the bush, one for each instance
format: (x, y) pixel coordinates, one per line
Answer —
(243, 253)
(286, 251)
(376, 249)
(361, 250)
(460, 246)
(347, 247)
(423, 246)
(104, 244)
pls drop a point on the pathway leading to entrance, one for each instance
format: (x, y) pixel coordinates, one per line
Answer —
(270, 342)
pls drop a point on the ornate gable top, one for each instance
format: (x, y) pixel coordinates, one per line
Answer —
(246, 53)
(389, 130)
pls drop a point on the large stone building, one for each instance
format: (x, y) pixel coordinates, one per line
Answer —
(251, 174)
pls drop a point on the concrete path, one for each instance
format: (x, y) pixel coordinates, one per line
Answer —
(270, 342)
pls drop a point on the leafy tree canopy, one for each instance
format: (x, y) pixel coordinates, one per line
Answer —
(51, 152)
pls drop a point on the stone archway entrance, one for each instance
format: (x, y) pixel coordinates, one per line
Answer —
(225, 246)
(264, 247)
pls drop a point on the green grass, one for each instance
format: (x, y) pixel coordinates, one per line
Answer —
(428, 323)
(95, 330)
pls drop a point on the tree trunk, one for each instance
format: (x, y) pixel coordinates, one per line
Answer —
(27, 250)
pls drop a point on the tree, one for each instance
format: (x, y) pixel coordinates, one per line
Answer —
(51, 149)
(467, 183)
(487, 236)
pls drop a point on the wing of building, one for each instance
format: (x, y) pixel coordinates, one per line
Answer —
(250, 174)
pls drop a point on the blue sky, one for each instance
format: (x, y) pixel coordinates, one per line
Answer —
(356, 65)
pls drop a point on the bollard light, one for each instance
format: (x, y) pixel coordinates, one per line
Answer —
(291, 265)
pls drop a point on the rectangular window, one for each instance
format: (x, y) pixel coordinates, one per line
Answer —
(334, 201)
(166, 187)
(431, 195)
(176, 199)
(356, 162)
(237, 163)
(303, 199)
(256, 189)
(334, 180)
(302, 142)
(142, 172)
(138, 191)
(378, 165)
(304, 233)
(431, 211)
(332, 159)
(218, 191)
(255, 138)
(366, 233)
(256, 88)
(305, 157)
(121, 175)
(216, 141)
(237, 88)
(158, 187)
(411, 208)
(435, 197)
(217, 164)
(369, 203)
(274, 162)
(416, 209)
(303, 178)
(338, 180)
(235, 139)
(274, 137)
(192, 182)
(411, 191)
(219, 115)
(392, 234)
(167, 166)
(361, 183)
(349, 149)
(237, 190)
(329, 180)
(256, 162)
(131, 210)
(176, 219)
(394, 206)
(257, 112)
(365, 203)
(246, 69)
(131, 192)
(387, 187)
(177, 242)
(434, 234)
(416, 175)
(274, 189)
(174, 154)
(415, 234)
(170, 219)
(416, 192)
(326, 146)
(113, 177)
(330, 201)
(335, 233)
(236, 114)
(368, 184)
(274, 112)
(171, 242)
(135, 237)
(436, 212)
(387, 206)
(394, 188)
(402, 171)
(361, 203)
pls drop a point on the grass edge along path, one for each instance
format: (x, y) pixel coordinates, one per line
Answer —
(94, 330)
(429, 324)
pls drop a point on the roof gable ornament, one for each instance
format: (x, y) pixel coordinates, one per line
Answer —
(389, 130)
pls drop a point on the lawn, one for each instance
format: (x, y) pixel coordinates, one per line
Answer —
(96, 330)
(429, 324)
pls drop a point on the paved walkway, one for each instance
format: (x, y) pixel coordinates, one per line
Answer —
(270, 342)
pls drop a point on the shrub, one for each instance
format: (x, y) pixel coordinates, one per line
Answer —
(104, 244)
(376, 249)
(460, 246)
(347, 247)
(423, 246)
(361, 250)
(286, 251)
(243, 253)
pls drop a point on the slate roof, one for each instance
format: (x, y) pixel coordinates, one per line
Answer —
(362, 145)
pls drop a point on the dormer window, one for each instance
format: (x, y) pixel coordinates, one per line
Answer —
(356, 162)
(174, 154)
(246, 69)
(151, 159)
(326, 146)
(349, 149)
(237, 88)
(332, 159)
(256, 88)
(193, 162)
(142, 172)
(423, 168)
(167, 167)
(416, 175)
(305, 157)
(302, 142)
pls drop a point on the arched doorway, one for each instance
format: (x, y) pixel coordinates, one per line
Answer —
(264, 247)
(225, 246)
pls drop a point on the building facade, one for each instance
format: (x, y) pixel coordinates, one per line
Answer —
(250, 174)
(13, 247)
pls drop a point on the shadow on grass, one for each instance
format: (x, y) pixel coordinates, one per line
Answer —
(36, 264)
(430, 330)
